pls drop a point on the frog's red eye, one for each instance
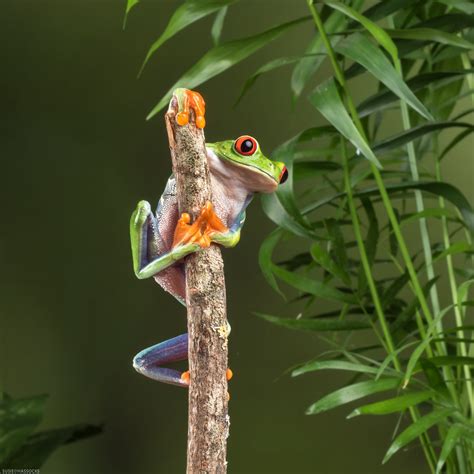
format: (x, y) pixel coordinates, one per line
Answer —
(246, 145)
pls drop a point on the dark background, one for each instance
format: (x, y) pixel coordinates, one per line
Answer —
(77, 155)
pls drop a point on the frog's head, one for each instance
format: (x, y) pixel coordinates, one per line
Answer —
(249, 165)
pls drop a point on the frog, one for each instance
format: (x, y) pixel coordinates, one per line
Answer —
(162, 240)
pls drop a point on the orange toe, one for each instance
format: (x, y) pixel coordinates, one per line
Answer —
(186, 377)
(185, 232)
(229, 374)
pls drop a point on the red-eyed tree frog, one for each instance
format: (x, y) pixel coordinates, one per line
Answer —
(160, 241)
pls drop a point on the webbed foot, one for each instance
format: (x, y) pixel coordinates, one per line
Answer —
(187, 100)
(202, 230)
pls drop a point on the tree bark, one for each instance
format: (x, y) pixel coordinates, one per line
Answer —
(208, 420)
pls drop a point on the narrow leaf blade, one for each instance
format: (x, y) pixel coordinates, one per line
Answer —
(318, 325)
(188, 13)
(351, 393)
(327, 100)
(361, 50)
(415, 430)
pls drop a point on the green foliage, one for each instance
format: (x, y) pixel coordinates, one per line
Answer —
(396, 232)
(21, 446)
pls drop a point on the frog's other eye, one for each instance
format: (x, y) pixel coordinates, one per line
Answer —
(245, 145)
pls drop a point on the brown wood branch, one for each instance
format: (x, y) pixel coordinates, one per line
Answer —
(208, 421)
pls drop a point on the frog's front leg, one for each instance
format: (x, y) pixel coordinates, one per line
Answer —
(145, 247)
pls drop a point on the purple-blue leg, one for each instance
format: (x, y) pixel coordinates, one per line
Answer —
(149, 362)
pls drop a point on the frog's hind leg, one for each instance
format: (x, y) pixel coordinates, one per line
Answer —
(150, 361)
(148, 249)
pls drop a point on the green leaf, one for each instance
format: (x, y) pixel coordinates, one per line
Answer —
(265, 259)
(327, 100)
(437, 212)
(375, 30)
(222, 57)
(218, 24)
(285, 193)
(457, 139)
(394, 288)
(18, 419)
(274, 209)
(451, 360)
(463, 293)
(307, 67)
(336, 238)
(361, 50)
(432, 35)
(267, 67)
(351, 393)
(463, 5)
(400, 139)
(312, 286)
(371, 241)
(186, 14)
(393, 405)
(417, 353)
(333, 365)
(438, 188)
(130, 5)
(322, 324)
(382, 99)
(39, 446)
(454, 249)
(453, 437)
(385, 8)
(417, 429)
(434, 377)
(371, 238)
(323, 258)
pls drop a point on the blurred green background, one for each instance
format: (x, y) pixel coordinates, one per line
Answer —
(77, 156)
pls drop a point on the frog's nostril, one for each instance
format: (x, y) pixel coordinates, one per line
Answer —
(283, 175)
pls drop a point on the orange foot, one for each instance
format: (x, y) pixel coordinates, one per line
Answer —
(190, 100)
(201, 230)
(186, 376)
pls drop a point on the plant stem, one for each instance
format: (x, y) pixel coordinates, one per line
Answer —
(365, 261)
(420, 206)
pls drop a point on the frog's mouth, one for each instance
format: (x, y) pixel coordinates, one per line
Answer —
(248, 176)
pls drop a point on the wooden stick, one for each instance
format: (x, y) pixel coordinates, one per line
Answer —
(208, 421)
